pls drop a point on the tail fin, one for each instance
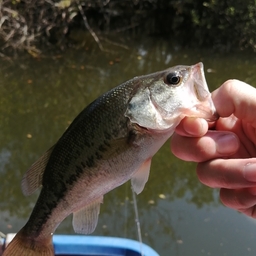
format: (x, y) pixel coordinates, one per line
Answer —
(23, 246)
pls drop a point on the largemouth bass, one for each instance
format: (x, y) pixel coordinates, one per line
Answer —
(110, 142)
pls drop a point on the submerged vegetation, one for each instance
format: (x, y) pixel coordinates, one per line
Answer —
(30, 24)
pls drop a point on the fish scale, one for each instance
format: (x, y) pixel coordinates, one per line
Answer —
(73, 140)
(110, 142)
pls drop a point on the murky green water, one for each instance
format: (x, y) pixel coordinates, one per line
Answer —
(38, 100)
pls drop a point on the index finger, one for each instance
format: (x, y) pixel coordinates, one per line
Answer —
(238, 98)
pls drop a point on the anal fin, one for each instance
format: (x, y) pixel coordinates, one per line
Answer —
(85, 220)
(140, 177)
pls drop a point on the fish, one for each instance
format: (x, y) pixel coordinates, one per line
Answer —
(110, 142)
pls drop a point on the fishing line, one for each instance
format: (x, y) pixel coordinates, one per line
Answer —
(126, 201)
(137, 221)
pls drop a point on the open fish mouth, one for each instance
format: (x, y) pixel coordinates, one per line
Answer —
(202, 111)
(205, 107)
(161, 104)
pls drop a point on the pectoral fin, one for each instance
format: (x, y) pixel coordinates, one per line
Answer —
(85, 220)
(140, 178)
(32, 179)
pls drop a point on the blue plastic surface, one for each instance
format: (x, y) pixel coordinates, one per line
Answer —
(99, 246)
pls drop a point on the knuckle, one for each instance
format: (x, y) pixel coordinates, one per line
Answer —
(236, 199)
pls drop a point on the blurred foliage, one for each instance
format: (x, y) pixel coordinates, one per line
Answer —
(225, 24)
(228, 24)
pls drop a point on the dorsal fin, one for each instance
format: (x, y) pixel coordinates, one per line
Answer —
(85, 220)
(140, 177)
(32, 179)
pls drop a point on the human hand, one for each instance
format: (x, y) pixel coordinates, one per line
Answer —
(226, 155)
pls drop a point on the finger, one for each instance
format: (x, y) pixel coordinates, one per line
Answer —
(191, 126)
(238, 99)
(228, 173)
(244, 131)
(251, 211)
(239, 199)
(214, 144)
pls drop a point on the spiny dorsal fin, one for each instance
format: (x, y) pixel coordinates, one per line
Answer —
(32, 179)
(85, 220)
(140, 177)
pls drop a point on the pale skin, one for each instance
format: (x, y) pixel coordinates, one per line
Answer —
(225, 152)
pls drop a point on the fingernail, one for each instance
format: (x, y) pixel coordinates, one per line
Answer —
(249, 172)
(196, 126)
(227, 144)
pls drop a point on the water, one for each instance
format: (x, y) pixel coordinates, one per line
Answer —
(40, 97)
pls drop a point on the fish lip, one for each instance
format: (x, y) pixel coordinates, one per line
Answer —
(202, 111)
(203, 94)
(198, 68)
(213, 118)
(200, 85)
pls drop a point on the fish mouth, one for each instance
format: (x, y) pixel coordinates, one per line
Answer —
(203, 111)
(200, 84)
(205, 107)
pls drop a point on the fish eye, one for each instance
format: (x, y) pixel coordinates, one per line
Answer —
(173, 79)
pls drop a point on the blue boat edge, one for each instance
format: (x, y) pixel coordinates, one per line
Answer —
(74, 245)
